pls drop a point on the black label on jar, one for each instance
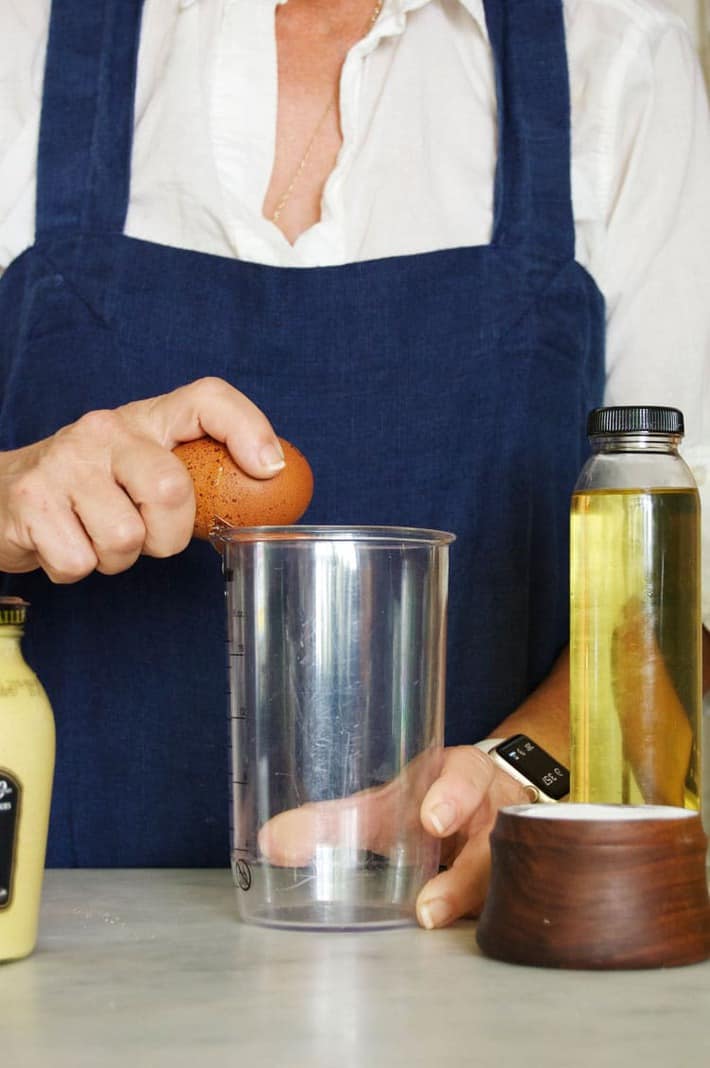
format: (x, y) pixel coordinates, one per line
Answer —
(10, 793)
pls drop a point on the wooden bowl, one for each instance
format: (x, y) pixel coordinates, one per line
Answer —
(597, 886)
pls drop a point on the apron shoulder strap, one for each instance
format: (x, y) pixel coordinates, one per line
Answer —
(86, 129)
(533, 185)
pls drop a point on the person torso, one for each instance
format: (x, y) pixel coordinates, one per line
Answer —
(458, 403)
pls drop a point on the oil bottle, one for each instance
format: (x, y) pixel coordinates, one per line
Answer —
(26, 773)
(635, 618)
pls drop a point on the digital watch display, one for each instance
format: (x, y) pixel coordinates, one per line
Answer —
(531, 765)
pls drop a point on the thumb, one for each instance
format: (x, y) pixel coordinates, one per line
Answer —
(211, 406)
(453, 799)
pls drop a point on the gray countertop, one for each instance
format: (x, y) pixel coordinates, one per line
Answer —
(151, 968)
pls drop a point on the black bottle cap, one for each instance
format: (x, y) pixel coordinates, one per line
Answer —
(632, 419)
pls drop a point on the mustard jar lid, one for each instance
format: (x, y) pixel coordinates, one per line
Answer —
(13, 611)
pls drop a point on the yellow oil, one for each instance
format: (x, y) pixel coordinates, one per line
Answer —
(635, 683)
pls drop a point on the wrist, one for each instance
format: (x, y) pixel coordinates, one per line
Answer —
(544, 714)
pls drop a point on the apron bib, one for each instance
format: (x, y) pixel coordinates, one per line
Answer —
(445, 390)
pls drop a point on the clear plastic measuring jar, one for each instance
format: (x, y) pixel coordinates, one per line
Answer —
(336, 646)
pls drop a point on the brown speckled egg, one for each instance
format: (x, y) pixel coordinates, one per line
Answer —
(224, 491)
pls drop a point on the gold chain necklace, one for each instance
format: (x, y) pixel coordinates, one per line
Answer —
(303, 163)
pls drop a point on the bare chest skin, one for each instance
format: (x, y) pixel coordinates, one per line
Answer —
(313, 38)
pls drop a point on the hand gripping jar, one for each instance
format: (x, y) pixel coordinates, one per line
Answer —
(26, 773)
(635, 622)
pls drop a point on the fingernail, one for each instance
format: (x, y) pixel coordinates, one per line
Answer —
(272, 457)
(442, 816)
(435, 913)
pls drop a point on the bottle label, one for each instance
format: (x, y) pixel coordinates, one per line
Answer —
(10, 796)
(20, 688)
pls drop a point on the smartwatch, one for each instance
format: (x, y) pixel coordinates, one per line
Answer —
(546, 779)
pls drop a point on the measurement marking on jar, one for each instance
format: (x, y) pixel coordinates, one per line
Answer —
(243, 873)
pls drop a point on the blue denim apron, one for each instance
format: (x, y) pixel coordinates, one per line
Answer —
(442, 390)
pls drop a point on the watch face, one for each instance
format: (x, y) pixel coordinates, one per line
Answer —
(536, 765)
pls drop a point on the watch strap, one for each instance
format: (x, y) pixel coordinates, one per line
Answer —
(487, 744)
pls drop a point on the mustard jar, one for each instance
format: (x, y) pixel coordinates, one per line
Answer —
(27, 744)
